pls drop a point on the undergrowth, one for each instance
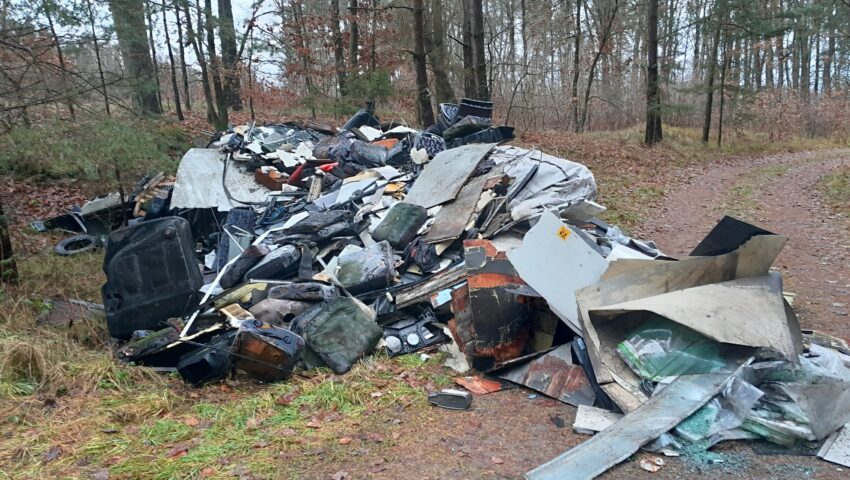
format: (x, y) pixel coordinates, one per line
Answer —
(836, 188)
(91, 150)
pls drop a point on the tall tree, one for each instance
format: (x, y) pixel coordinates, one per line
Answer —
(479, 57)
(229, 59)
(197, 45)
(470, 86)
(49, 8)
(91, 19)
(720, 18)
(354, 37)
(339, 50)
(129, 19)
(173, 68)
(152, 42)
(182, 51)
(423, 96)
(576, 59)
(220, 121)
(653, 132)
(437, 53)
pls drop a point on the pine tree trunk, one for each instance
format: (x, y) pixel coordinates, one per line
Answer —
(354, 34)
(129, 19)
(173, 68)
(152, 42)
(576, 58)
(653, 133)
(90, 12)
(215, 69)
(339, 50)
(470, 89)
(478, 53)
(437, 52)
(230, 64)
(182, 50)
(426, 114)
(69, 102)
(712, 68)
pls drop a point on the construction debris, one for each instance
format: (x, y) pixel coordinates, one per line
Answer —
(295, 246)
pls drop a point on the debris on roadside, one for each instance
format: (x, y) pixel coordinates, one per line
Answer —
(295, 246)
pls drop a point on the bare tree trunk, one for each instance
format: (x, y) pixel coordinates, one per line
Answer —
(69, 103)
(8, 266)
(90, 13)
(229, 60)
(478, 54)
(183, 71)
(722, 88)
(339, 50)
(215, 70)
(653, 133)
(300, 43)
(152, 42)
(712, 67)
(827, 63)
(426, 114)
(437, 52)
(354, 34)
(470, 88)
(129, 19)
(197, 45)
(576, 58)
(171, 64)
(604, 38)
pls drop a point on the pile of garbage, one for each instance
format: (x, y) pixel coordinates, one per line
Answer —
(298, 246)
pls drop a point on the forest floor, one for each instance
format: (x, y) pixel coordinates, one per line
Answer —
(89, 418)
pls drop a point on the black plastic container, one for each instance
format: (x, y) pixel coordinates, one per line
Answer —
(151, 275)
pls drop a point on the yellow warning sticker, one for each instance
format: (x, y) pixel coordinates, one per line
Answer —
(563, 232)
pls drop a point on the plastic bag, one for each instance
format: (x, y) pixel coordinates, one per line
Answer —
(660, 348)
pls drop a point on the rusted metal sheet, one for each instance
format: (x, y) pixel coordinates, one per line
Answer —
(444, 176)
(492, 323)
(452, 218)
(555, 375)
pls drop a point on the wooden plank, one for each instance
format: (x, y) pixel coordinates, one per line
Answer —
(452, 218)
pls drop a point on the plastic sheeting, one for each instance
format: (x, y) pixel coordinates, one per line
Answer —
(556, 185)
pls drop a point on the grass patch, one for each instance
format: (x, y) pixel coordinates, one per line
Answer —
(91, 150)
(740, 200)
(836, 189)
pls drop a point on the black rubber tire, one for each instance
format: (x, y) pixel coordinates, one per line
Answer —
(77, 244)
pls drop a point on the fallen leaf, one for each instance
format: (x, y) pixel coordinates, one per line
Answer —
(345, 440)
(208, 472)
(652, 464)
(396, 435)
(378, 469)
(287, 432)
(340, 475)
(376, 394)
(287, 399)
(314, 424)
(497, 460)
(180, 449)
(191, 422)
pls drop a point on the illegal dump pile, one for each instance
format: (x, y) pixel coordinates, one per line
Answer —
(296, 246)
